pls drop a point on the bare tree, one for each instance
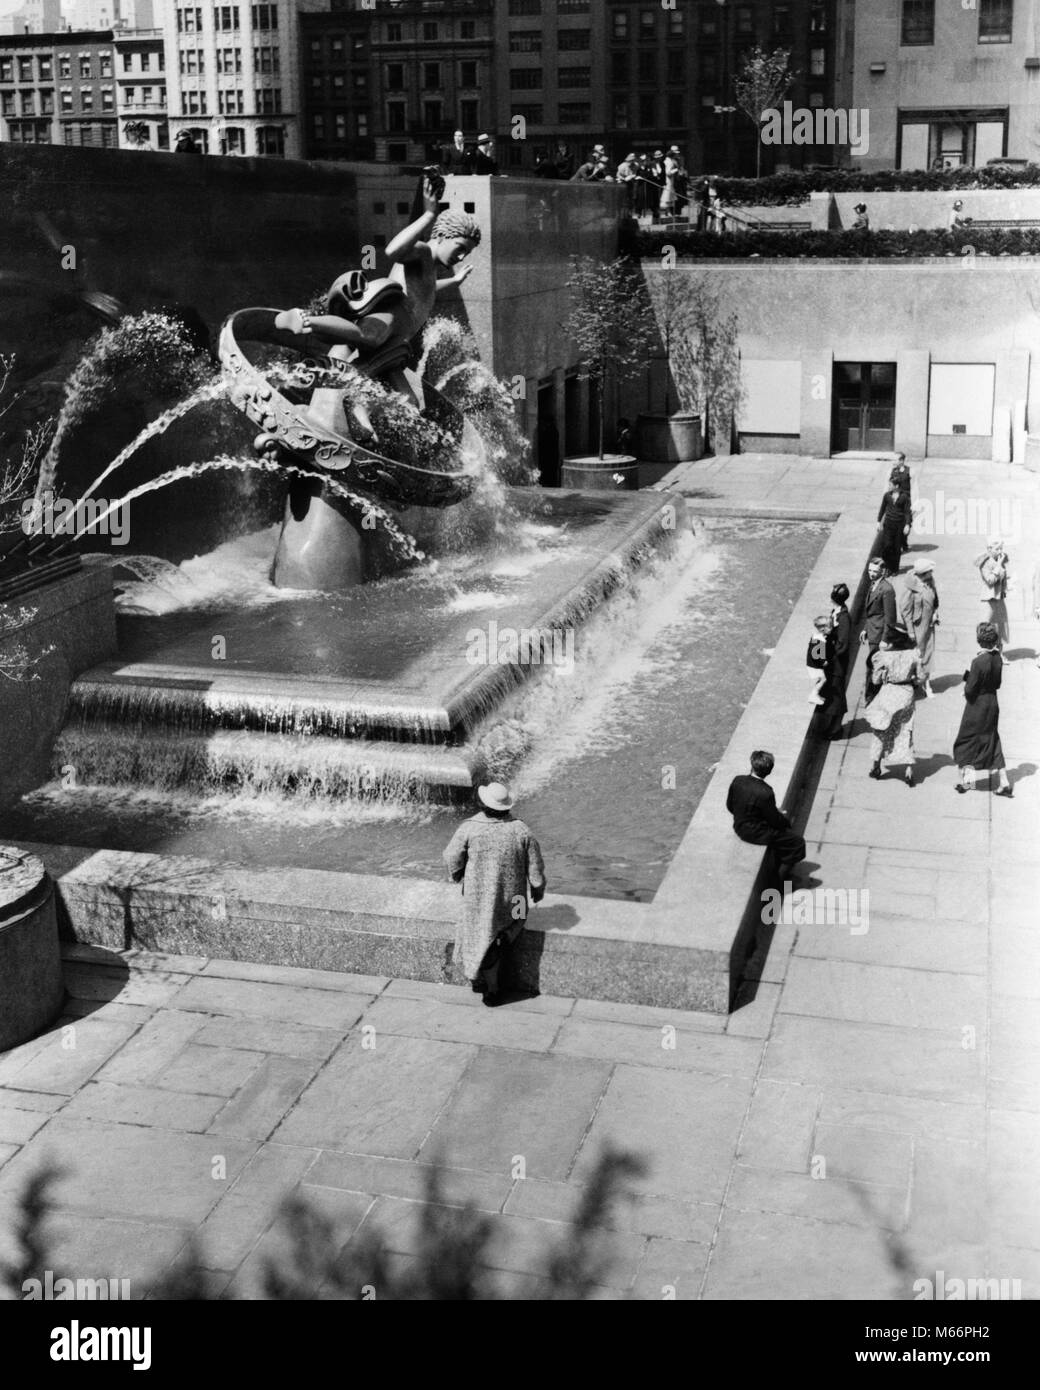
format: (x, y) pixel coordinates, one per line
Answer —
(761, 81)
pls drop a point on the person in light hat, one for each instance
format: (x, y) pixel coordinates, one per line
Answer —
(484, 161)
(497, 860)
(919, 608)
(992, 566)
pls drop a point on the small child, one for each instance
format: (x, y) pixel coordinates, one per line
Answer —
(816, 657)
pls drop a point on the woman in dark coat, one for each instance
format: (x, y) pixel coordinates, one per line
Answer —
(841, 625)
(893, 527)
(977, 748)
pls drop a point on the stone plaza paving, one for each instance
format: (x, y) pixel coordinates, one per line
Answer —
(876, 1098)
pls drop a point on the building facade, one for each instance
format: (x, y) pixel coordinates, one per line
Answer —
(537, 73)
(58, 89)
(34, 17)
(232, 75)
(141, 89)
(946, 85)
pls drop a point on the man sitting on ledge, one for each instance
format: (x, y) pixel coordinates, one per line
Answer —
(758, 820)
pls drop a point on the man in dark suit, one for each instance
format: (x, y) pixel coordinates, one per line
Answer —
(484, 161)
(880, 620)
(458, 157)
(758, 820)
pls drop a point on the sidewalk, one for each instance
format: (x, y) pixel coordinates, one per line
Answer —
(881, 1082)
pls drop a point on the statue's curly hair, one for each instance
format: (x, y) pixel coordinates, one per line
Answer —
(456, 224)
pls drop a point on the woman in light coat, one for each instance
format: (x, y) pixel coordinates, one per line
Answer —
(992, 566)
(919, 607)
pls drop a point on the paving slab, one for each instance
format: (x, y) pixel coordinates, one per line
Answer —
(244, 1212)
(659, 1046)
(390, 1177)
(687, 1123)
(379, 1100)
(780, 1127)
(263, 1100)
(143, 1105)
(428, 1018)
(519, 1114)
(861, 993)
(285, 1003)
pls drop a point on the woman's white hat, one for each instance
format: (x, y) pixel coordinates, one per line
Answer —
(923, 567)
(495, 797)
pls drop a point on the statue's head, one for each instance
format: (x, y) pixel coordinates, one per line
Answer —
(453, 236)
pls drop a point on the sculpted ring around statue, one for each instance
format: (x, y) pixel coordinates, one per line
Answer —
(301, 400)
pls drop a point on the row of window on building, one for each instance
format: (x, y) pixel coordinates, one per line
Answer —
(226, 18)
(41, 67)
(228, 60)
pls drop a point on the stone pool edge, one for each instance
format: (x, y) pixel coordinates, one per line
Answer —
(683, 950)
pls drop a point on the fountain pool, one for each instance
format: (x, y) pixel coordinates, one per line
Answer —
(660, 676)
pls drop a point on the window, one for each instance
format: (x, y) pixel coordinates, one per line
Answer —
(362, 124)
(533, 114)
(619, 68)
(316, 50)
(745, 21)
(647, 110)
(817, 62)
(230, 103)
(86, 70)
(469, 114)
(47, 69)
(573, 40)
(105, 59)
(46, 103)
(393, 33)
(25, 71)
(189, 21)
(574, 77)
(818, 20)
(28, 103)
(815, 100)
(676, 23)
(647, 23)
(430, 32)
(573, 6)
(525, 6)
(432, 118)
(526, 79)
(524, 42)
(621, 113)
(341, 125)
(396, 116)
(318, 126)
(64, 65)
(781, 23)
(229, 60)
(233, 141)
(65, 97)
(395, 76)
(647, 64)
(193, 61)
(86, 100)
(468, 73)
(266, 59)
(709, 68)
(339, 81)
(268, 100)
(128, 62)
(676, 110)
(270, 140)
(193, 103)
(676, 66)
(146, 63)
(265, 16)
(7, 69)
(7, 103)
(337, 49)
(468, 29)
(431, 73)
(995, 21)
(317, 83)
(621, 24)
(108, 101)
(361, 84)
(575, 112)
(918, 22)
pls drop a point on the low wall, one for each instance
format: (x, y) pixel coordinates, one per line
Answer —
(901, 211)
(47, 638)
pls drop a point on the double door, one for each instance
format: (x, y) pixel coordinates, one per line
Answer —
(864, 406)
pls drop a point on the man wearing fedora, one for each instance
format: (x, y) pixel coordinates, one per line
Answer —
(496, 859)
(484, 162)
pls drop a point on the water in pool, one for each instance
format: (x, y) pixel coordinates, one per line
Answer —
(608, 760)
